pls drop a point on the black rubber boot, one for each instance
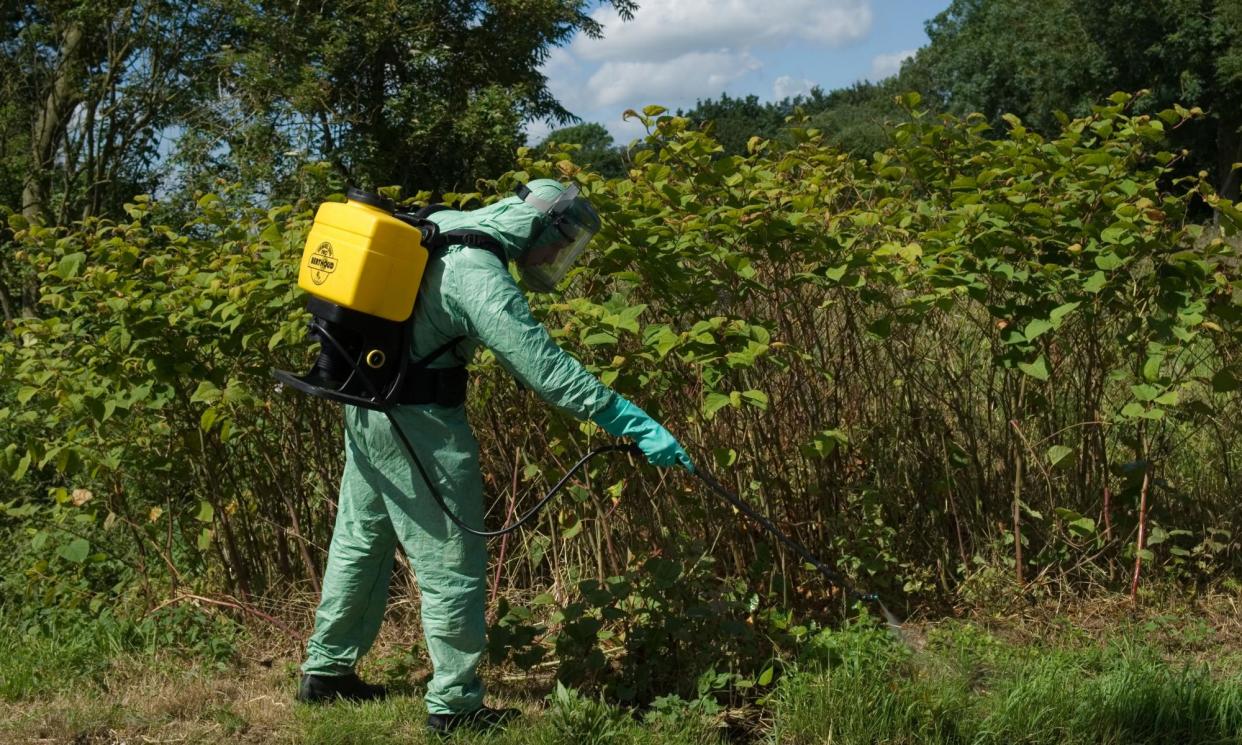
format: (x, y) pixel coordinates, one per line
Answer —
(317, 689)
(478, 720)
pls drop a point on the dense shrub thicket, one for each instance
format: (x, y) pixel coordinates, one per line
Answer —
(970, 357)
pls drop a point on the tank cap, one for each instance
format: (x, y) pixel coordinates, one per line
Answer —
(370, 199)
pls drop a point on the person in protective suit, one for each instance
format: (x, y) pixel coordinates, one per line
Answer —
(467, 298)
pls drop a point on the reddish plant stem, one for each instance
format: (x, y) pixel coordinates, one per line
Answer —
(504, 540)
(1017, 509)
(1142, 532)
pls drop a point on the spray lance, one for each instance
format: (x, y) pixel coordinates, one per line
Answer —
(362, 266)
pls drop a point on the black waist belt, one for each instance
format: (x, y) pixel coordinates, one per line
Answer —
(443, 386)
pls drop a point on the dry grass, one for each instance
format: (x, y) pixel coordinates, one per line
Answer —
(169, 699)
(160, 701)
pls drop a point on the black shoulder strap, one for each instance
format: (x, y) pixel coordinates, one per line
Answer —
(474, 239)
(430, 209)
(436, 241)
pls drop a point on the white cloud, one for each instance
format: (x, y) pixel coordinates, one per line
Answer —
(625, 131)
(667, 29)
(677, 51)
(787, 87)
(886, 65)
(668, 82)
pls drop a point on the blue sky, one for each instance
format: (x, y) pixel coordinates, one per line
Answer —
(677, 51)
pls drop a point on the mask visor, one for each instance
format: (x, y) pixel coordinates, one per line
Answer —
(573, 222)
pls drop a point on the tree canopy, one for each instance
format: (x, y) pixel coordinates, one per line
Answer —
(597, 150)
(1034, 59)
(104, 99)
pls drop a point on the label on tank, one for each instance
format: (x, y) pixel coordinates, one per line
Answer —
(321, 263)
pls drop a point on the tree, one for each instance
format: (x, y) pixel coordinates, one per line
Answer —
(92, 89)
(852, 118)
(424, 94)
(735, 120)
(856, 119)
(1032, 59)
(598, 151)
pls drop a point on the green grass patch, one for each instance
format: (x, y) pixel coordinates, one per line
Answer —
(964, 686)
(968, 688)
(570, 718)
(78, 648)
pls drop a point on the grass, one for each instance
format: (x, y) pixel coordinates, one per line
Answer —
(968, 687)
(1162, 679)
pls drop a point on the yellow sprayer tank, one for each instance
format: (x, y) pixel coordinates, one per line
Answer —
(359, 256)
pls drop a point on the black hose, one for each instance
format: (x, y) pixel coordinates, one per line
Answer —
(531, 513)
(831, 575)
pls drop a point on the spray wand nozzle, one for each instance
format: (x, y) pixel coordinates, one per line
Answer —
(832, 576)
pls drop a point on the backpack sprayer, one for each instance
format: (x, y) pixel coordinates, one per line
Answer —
(362, 266)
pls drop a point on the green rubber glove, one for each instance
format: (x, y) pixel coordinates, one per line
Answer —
(621, 418)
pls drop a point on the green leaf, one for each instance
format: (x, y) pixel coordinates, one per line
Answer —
(205, 512)
(1108, 261)
(881, 328)
(1151, 368)
(1037, 369)
(204, 538)
(22, 466)
(756, 398)
(1168, 399)
(714, 402)
(572, 530)
(661, 338)
(1083, 527)
(835, 273)
(271, 234)
(1095, 282)
(1066, 514)
(1061, 311)
(1036, 328)
(1057, 453)
(76, 550)
(206, 392)
(765, 677)
(825, 443)
(70, 265)
(1113, 235)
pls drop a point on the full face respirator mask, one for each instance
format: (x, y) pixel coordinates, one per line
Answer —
(569, 223)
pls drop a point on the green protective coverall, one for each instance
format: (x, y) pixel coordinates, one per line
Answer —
(383, 500)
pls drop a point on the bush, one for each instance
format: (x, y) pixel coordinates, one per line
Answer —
(976, 348)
